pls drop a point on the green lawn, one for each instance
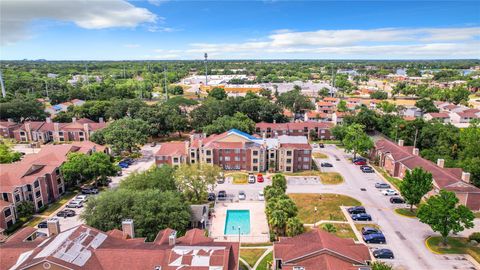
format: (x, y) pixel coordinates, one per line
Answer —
(328, 206)
(319, 155)
(266, 244)
(393, 180)
(251, 255)
(344, 231)
(477, 214)
(238, 177)
(243, 266)
(455, 245)
(267, 260)
(34, 221)
(406, 212)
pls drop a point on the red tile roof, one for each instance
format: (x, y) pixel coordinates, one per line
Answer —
(438, 115)
(172, 149)
(320, 250)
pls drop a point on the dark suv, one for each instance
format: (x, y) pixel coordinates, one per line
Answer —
(356, 210)
(222, 195)
(369, 230)
(397, 200)
(89, 190)
(375, 238)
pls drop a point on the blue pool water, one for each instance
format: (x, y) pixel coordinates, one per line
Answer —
(235, 219)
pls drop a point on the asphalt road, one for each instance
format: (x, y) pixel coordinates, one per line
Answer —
(405, 236)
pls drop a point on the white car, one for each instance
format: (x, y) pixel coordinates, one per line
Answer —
(261, 197)
(251, 179)
(75, 204)
(241, 195)
(82, 198)
(389, 192)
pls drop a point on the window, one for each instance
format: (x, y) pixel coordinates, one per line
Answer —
(227, 151)
(221, 158)
(237, 158)
(306, 167)
(192, 154)
(272, 155)
(175, 160)
(322, 131)
(227, 158)
(57, 171)
(237, 151)
(30, 197)
(37, 194)
(288, 168)
(22, 133)
(208, 152)
(39, 204)
(5, 196)
(289, 160)
(299, 159)
(255, 168)
(7, 212)
(80, 133)
(255, 160)
(209, 160)
(36, 184)
(17, 197)
(255, 153)
(9, 223)
(29, 187)
(306, 159)
(306, 152)
(59, 180)
(60, 190)
(289, 153)
(298, 268)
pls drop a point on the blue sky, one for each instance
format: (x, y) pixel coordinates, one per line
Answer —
(158, 29)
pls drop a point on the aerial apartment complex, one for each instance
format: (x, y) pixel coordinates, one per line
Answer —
(236, 150)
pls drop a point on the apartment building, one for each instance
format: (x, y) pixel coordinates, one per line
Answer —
(272, 130)
(84, 247)
(318, 249)
(47, 131)
(7, 128)
(36, 178)
(236, 150)
(396, 159)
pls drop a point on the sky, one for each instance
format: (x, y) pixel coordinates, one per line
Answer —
(184, 30)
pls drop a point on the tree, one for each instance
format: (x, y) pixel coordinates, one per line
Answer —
(160, 178)
(76, 169)
(217, 93)
(415, 185)
(294, 227)
(426, 105)
(414, 72)
(101, 166)
(239, 121)
(342, 106)
(195, 180)
(444, 216)
(7, 155)
(324, 92)
(356, 140)
(399, 88)
(279, 210)
(378, 265)
(176, 90)
(329, 227)
(387, 107)
(22, 109)
(25, 209)
(123, 135)
(152, 210)
(295, 101)
(379, 95)
(279, 181)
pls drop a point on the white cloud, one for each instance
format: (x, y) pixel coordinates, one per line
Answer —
(17, 14)
(157, 2)
(372, 43)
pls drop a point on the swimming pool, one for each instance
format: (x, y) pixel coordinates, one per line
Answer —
(235, 219)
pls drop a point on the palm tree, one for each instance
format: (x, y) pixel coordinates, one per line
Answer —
(329, 227)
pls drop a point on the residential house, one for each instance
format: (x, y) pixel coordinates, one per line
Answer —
(325, 107)
(465, 116)
(396, 159)
(443, 117)
(319, 249)
(317, 116)
(84, 247)
(7, 128)
(36, 178)
(236, 150)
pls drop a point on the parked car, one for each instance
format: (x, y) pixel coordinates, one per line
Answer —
(82, 198)
(383, 253)
(241, 195)
(89, 190)
(119, 172)
(382, 185)
(66, 213)
(153, 144)
(221, 178)
(314, 145)
(389, 192)
(251, 178)
(367, 169)
(129, 161)
(321, 145)
(369, 230)
(261, 196)
(75, 204)
(260, 178)
(211, 197)
(356, 210)
(360, 162)
(222, 195)
(43, 224)
(326, 164)
(397, 200)
(362, 217)
(374, 238)
(359, 159)
(123, 165)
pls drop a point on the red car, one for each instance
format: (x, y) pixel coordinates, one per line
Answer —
(360, 162)
(259, 178)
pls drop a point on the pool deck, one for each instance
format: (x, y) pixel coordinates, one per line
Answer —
(258, 222)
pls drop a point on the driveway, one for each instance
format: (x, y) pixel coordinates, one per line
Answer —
(405, 236)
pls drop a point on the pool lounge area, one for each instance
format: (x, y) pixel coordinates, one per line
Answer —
(237, 222)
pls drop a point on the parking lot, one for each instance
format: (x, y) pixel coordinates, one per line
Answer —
(405, 236)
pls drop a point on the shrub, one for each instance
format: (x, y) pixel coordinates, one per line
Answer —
(475, 236)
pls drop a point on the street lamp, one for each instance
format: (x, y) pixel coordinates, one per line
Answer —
(314, 223)
(238, 234)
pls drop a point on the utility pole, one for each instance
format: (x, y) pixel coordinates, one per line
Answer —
(46, 87)
(206, 69)
(165, 79)
(4, 93)
(415, 140)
